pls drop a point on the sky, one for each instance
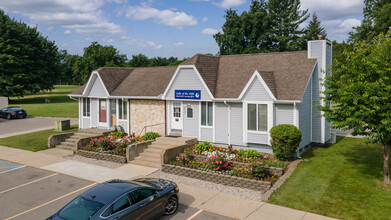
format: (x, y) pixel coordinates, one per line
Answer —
(178, 28)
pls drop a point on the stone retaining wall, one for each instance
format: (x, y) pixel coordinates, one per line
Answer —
(272, 170)
(217, 178)
(134, 150)
(101, 156)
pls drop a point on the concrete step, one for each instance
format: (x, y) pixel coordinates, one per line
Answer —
(96, 131)
(146, 163)
(148, 159)
(66, 147)
(153, 150)
(73, 138)
(169, 141)
(161, 147)
(150, 154)
(67, 143)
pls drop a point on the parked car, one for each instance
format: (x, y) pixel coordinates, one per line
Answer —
(13, 112)
(145, 198)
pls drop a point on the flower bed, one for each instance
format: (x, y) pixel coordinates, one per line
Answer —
(115, 145)
(102, 156)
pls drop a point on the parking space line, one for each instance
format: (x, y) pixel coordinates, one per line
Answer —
(28, 183)
(17, 167)
(195, 214)
(46, 203)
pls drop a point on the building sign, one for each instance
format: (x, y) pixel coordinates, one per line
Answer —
(188, 94)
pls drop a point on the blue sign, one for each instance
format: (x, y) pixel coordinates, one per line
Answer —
(188, 94)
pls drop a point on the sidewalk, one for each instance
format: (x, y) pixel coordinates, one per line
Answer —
(211, 201)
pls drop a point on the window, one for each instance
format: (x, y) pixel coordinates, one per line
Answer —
(141, 194)
(86, 107)
(257, 117)
(177, 109)
(189, 112)
(207, 113)
(123, 109)
(119, 205)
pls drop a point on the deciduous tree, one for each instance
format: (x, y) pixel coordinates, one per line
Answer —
(360, 91)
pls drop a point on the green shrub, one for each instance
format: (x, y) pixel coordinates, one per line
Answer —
(250, 154)
(151, 136)
(205, 146)
(119, 134)
(284, 140)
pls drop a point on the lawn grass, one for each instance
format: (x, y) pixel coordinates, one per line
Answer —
(60, 104)
(344, 181)
(35, 141)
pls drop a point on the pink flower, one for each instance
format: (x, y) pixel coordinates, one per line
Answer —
(221, 162)
(265, 157)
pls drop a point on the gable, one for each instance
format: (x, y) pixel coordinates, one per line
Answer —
(256, 92)
(95, 88)
(187, 79)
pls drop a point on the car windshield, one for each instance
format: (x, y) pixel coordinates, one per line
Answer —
(80, 209)
(15, 108)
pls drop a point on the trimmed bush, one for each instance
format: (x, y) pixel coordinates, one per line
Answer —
(284, 140)
(119, 134)
(151, 136)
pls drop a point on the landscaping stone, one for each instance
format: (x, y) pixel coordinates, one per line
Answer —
(217, 178)
(101, 156)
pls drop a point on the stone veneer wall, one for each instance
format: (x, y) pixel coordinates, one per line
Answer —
(147, 112)
(101, 156)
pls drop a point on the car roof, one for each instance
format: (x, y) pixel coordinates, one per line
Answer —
(109, 191)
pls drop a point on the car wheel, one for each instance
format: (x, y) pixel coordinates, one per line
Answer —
(9, 117)
(171, 206)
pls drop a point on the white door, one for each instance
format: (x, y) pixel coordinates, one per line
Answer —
(177, 113)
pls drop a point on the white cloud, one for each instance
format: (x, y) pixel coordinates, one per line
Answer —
(209, 31)
(338, 29)
(88, 39)
(334, 9)
(167, 17)
(50, 28)
(230, 3)
(80, 15)
(139, 43)
(110, 40)
(179, 44)
(204, 19)
(67, 32)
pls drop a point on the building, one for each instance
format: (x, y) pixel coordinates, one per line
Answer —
(232, 99)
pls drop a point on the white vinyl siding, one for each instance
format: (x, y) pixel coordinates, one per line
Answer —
(187, 79)
(305, 116)
(236, 121)
(257, 138)
(206, 134)
(284, 114)
(97, 88)
(256, 92)
(316, 120)
(221, 135)
(191, 125)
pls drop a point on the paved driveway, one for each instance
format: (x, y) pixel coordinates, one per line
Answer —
(32, 193)
(27, 125)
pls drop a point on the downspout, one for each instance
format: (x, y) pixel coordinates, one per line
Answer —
(229, 121)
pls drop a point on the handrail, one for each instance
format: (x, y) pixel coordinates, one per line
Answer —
(146, 126)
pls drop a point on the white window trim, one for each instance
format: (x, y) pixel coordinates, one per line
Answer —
(118, 109)
(270, 121)
(82, 107)
(213, 115)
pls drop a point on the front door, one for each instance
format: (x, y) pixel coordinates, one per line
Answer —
(102, 111)
(177, 119)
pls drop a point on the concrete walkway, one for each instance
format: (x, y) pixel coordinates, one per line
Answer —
(30, 124)
(211, 201)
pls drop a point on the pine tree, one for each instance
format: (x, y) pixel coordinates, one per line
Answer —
(286, 18)
(314, 30)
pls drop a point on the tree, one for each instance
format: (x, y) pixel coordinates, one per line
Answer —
(139, 60)
(360, 92)
(266, 27)
(286, 18)
(96, 56)
(314, 30)
(377, 19)
(29, 62)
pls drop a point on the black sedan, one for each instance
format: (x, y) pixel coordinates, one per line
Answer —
(145, 198)
(13, 112)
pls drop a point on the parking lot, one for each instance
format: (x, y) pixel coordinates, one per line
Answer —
(32, 193)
